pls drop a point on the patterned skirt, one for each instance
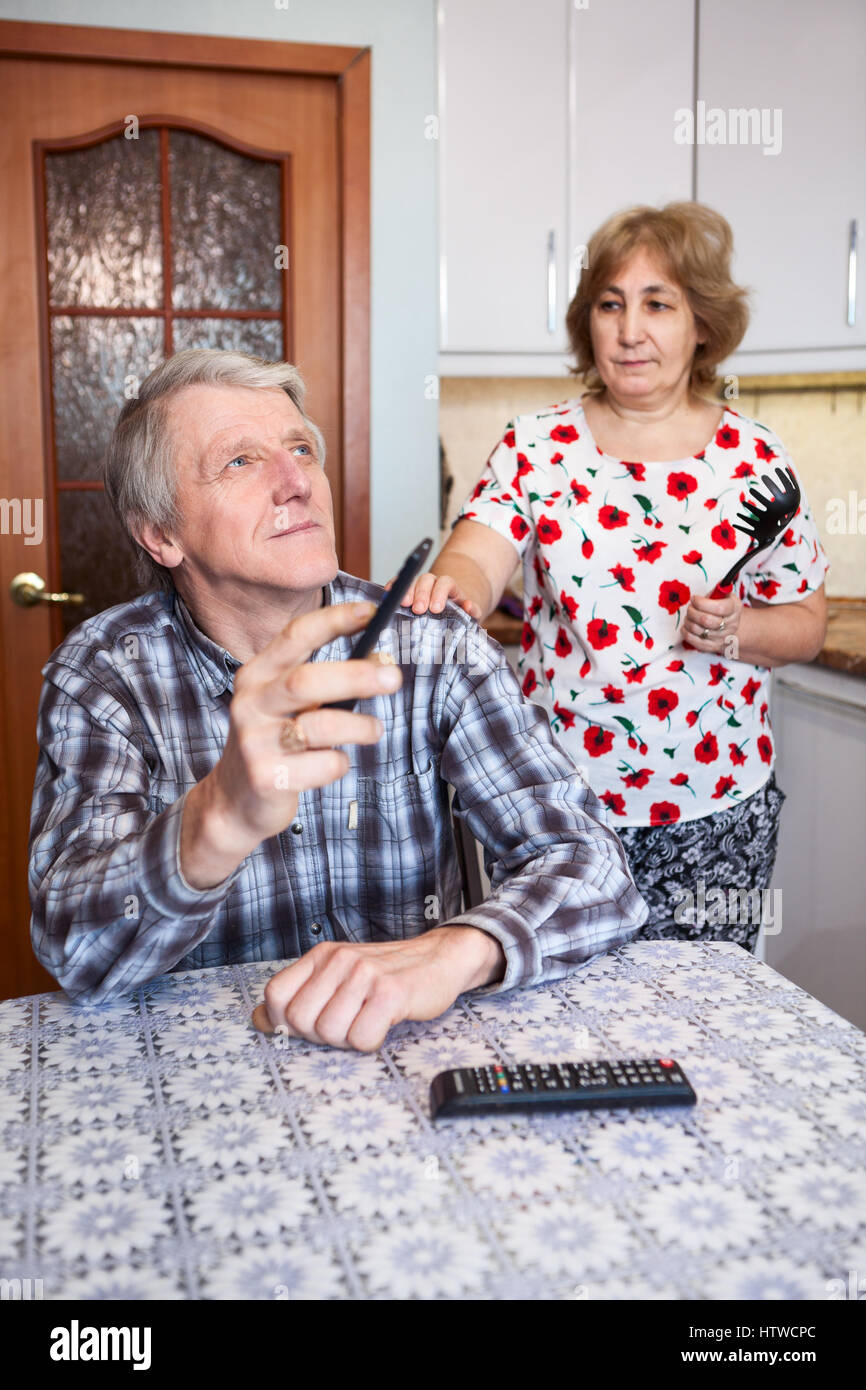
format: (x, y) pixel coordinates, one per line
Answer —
(708, 879)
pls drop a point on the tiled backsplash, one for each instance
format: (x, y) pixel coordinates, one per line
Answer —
(824, 431)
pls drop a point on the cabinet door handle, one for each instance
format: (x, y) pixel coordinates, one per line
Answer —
(852, 272)
(551, 282)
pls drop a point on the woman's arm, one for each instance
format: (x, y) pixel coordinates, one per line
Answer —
(761, 634)
(478, 560)
(772, 634)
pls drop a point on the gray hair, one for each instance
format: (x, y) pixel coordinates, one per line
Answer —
(138, 468)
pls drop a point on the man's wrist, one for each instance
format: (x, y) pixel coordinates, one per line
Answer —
(210, 845)
(481, 956)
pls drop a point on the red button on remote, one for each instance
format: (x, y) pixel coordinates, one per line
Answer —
(665, 1062)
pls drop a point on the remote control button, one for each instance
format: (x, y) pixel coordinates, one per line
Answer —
(665, 1062)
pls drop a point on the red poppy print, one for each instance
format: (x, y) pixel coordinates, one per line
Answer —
(637, 471)
(723, 787)
(681, 779)
(564, 434)
(681, 485)
(563, 646)
(548, 530)
(519, 528)
(765, 748)
(724, 535)
(601, 633)
(612, 694)
(527, 637)
(597, 741)
(664, 813)
(530, 681)
(662, 702)
(767, 588)
(744, 470)
(579, 492)
(727, 437)
(708, 749)
(566, 715)
(614, 801)
(623, 577)
(650, 551)
(508, 438)
(750, 690)
(738, 757)
(568, 603)
(639, 778)
(611, 517)
(673, 594)
(763, 450)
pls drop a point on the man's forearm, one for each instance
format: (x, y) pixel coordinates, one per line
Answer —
(210, 846)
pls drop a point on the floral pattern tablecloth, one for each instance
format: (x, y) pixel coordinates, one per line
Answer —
(161, 1148)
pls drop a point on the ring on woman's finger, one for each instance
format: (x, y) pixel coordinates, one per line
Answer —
(292, 737)
(721, 626)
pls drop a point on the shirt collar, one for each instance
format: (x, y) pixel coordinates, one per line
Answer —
(216, 665)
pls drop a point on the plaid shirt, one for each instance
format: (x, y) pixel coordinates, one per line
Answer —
(135, 711)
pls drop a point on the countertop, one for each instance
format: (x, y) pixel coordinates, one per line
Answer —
(844, 649)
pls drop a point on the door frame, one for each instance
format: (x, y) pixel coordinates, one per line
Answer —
(351, 69)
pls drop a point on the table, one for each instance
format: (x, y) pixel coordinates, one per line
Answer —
(160, 1148)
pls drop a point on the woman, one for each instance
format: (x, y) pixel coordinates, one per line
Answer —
(620, 505)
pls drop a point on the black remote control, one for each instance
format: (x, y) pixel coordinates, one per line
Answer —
(540, 1087)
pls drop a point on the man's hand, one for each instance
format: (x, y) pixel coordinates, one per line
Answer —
(252, 793)
(349, 994)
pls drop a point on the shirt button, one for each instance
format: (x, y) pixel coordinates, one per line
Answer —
(315, 928)
(296, 827)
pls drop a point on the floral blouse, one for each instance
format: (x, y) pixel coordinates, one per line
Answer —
(612, 552)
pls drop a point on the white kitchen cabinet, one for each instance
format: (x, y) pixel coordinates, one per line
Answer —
(819, 723)
(503, 131)
(632, 69)
(552, 116)
(791, 211)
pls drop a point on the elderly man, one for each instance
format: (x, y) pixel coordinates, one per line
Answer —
(196, 804)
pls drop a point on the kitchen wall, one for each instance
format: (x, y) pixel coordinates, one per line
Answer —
(824, 431)
(404, 269)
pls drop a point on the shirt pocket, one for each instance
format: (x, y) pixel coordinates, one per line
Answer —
(401, 822)
(165, 791)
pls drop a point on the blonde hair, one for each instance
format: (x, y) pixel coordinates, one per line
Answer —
(138, 469)
(694, 244)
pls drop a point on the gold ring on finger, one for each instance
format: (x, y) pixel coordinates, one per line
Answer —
(705, 632)
(292, 737)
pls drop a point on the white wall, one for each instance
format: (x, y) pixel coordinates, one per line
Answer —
(404, 454)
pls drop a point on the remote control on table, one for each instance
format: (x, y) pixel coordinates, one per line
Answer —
(542, 1087)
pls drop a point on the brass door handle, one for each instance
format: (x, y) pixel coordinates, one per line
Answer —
(28, 589)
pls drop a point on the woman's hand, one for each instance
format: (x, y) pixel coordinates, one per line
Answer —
(433, 591)
(719, 619)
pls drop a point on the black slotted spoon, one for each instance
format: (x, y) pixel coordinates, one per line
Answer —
(765, 522)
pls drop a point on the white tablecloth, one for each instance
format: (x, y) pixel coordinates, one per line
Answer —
(160, 1147)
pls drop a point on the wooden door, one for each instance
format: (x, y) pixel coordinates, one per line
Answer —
(159, 191)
